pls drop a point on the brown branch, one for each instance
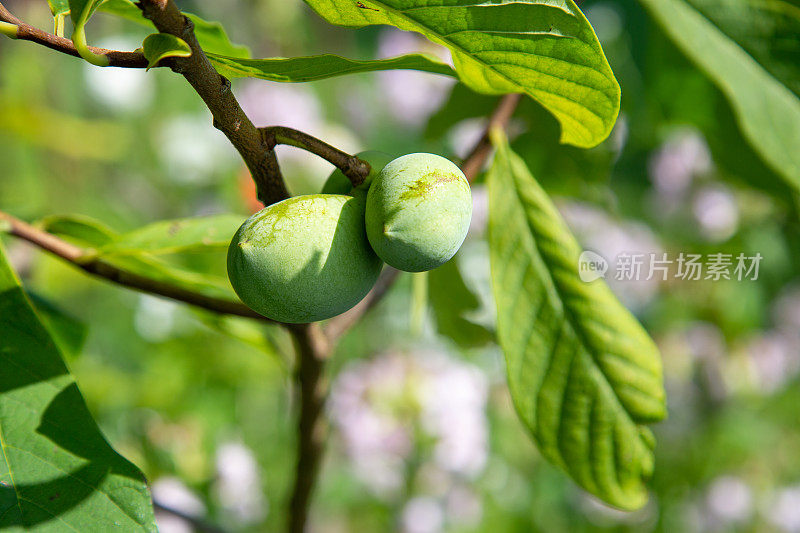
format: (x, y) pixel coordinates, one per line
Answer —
(354, 168)
(312, 352)
(502, 114)
(471, 166)
(26, 32)
(87, 261)
(215, 90)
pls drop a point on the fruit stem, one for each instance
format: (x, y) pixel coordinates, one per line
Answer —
(351, 166)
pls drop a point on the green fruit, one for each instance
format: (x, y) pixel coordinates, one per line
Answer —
(418, 212)
(303, 259)
(337, 182)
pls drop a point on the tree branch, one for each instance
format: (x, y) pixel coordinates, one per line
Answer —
(312, 352)
(472, 165)
(89, 262)
(26, 32)
(500, 118)
(354, 168)
(215, 90)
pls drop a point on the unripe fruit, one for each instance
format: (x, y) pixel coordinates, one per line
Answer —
(303, 259)
(337, 182)
(418, 212)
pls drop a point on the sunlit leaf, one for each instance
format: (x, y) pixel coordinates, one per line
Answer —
(585, 377)
(172, 236)
(92, 234)
(767, 111)
(544, 48)
(57, 471)
(158, 46)
(310, 68)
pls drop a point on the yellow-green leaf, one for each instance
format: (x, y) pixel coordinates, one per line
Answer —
(543, 48)
(584, 375)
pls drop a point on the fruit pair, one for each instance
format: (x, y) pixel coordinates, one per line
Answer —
(312, 257)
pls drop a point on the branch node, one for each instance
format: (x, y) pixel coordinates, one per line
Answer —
(225, 85)
(188, 26)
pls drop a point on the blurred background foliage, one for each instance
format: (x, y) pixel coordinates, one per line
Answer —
(424, 437)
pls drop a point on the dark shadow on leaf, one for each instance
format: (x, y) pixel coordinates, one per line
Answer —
(19, 335)
(68, 411)
(31, 505)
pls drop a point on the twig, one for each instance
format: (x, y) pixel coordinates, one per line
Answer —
(471, 167)
(215, 90)
(90, 263)
(354, 168)
(502, 114)
(197, 523)
(312, 352)
(26, 32)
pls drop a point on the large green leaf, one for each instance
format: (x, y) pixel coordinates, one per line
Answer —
(766, 29)
(57, 471)
(767, 111)
(585, 377)
(310, 68)
(92, 234)
(544, 48)
(173, 236)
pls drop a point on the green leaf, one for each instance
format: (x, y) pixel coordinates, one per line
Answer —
(543, 48)
(79, 229)
(310, 68)
(451, 300)
(59, 7)
(57, 471)
(173, 236)
(90, 233)
(158, 46)
(767, 111)
(210, 35)
(584, 375)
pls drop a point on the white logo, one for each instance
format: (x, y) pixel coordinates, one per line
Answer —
(591, 266)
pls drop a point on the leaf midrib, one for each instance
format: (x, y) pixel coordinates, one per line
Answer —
(568, 314)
